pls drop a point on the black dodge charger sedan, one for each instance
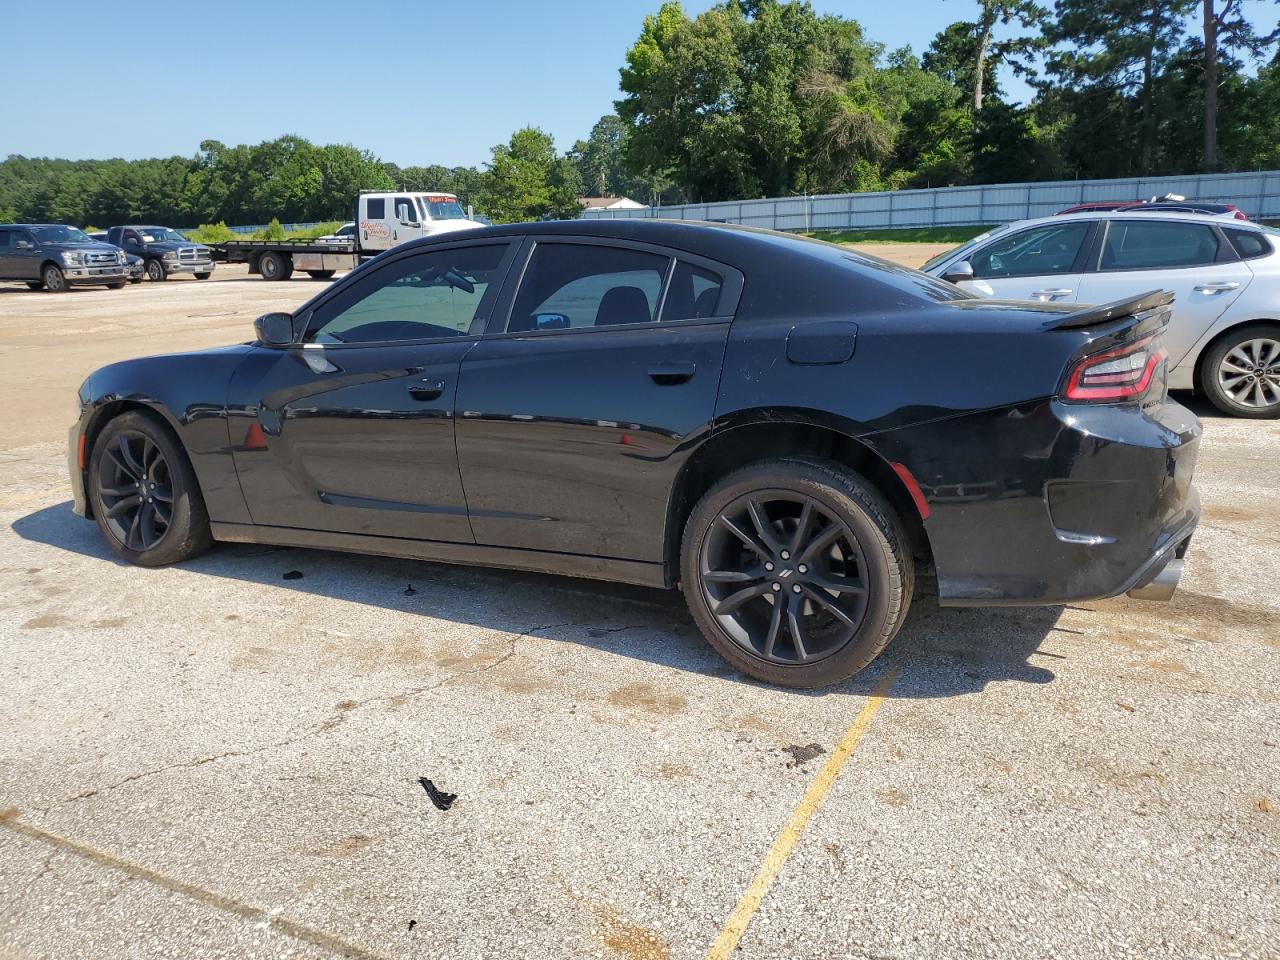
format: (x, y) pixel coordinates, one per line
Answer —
(780, 427)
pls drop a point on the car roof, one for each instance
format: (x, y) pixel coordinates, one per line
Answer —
(1153, 213)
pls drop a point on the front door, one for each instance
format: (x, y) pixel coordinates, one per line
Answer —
(351, 430)
(573, 424)
(1187, 258)
(19, 256)
(1044, 263)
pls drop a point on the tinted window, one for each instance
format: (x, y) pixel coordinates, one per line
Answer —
(429, 295)
(1249, 243)
(1049, 249)
(693, 294)
(1154, 245)
(376, 208)
(4, 238)
(574, 285)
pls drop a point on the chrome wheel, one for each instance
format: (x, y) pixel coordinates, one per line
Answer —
(135, 489)
(784, 576)
(1249, 373)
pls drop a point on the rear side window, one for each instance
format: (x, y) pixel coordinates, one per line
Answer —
(693, 294)
(569, 285)
(1046, 250)
(5, 240)
(1157, 245)
(1248, 243)
(376, 208)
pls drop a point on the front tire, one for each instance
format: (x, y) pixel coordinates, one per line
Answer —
(145, 497)
(116, 286)
(35, 284)
(796, 571)
(55, 281)
(156, 271)
(203, 276)
(1241, 373)
(321, 274)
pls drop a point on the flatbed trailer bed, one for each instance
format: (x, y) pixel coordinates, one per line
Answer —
(277, 259)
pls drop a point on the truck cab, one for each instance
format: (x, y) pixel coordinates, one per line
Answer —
(386, 219)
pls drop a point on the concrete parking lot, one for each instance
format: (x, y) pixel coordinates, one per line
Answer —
(222, 759)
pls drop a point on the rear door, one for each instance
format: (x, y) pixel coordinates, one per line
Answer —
(574, 422)
(1191, 259)
(1044, 262)
(8, 263)
(376, 216)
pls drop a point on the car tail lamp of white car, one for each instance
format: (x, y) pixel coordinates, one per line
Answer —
(1119, 374)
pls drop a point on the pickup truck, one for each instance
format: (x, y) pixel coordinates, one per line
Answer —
(164, 251)
(383, 219)
(57, 257)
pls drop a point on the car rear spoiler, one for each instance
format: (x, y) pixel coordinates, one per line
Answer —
(1128, 307)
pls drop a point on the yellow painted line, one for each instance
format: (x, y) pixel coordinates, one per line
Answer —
(11, 819)
(786, 842)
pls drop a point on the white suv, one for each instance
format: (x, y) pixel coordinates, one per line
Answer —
(1224, 337)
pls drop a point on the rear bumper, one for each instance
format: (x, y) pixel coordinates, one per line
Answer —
(1050, 502)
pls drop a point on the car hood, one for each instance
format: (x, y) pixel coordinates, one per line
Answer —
(166, 245)
(94, 245)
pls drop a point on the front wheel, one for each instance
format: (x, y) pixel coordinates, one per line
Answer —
(35, 284)
(321, 274)
(144, 493)
(116, 286)
(203, 276)
(156, 271)
(1241, 373)
(796, 571)
(55, 281)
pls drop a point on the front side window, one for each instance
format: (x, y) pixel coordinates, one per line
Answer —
(569, 285)
(427, 296)
(406, 209)
(1040, 251)
(1157, 245)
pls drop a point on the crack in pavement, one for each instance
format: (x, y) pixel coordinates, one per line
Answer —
(324, 726)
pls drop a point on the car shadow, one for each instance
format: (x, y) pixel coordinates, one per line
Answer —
(944, 652)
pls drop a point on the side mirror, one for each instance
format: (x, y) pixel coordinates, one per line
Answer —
(958, 272)
(550, 321)
(24, 245)
(406, 216)
(275, 329)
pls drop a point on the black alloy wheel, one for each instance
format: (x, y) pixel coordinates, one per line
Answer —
(797, 571)
(135, 489)
(144, 493)
(783, 576)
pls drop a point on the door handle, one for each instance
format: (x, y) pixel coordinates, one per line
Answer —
(672, 372)
(429, 389)
(1216, 287)
(1052, 292)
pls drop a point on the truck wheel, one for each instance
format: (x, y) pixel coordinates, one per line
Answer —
(55, 280)
(116, 286)
(203, 276)
(321, 274)
(275, 266)
(35, 284)
(156, 271)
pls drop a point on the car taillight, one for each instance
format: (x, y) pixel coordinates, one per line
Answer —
(1116, 374)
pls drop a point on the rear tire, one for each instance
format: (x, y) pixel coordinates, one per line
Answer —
(156, 271)
(275, 266)
(828, 559)
(55, 281)
(1240, 374)
(144, 493)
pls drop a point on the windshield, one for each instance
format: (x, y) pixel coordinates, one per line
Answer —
(158, 234)
(442, 208)
(60, 234)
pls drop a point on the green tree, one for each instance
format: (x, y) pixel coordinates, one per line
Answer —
(525, 180)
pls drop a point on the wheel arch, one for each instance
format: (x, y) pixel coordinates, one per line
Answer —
(766, 434)
(107, 411)
(1197, 372)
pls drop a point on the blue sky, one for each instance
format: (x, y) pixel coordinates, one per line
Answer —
(415, 82)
